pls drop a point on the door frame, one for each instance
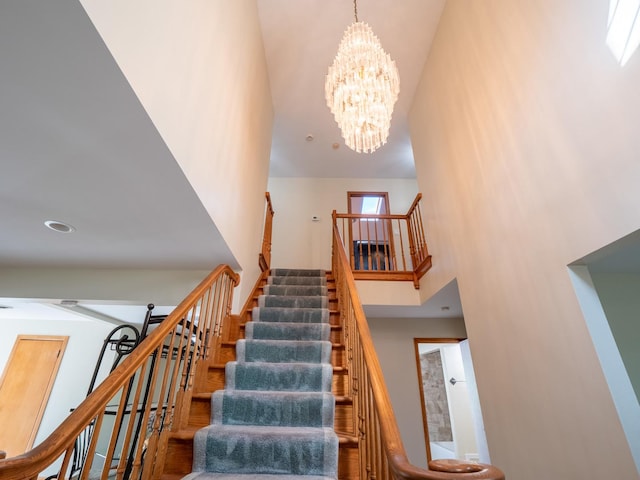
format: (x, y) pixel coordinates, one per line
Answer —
(425, 425)
(389, 227)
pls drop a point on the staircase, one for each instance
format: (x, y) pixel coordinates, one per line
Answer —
(276, 413)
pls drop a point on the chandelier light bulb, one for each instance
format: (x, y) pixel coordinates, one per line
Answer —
(361, 89)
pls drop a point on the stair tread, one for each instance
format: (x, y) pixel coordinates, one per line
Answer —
(270, 430)
(221, 366)
(186, 433)
(247, 476)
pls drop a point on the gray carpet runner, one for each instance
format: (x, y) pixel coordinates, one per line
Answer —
(275, 417)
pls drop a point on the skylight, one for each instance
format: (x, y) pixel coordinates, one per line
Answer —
(623, 28)
(371, 205)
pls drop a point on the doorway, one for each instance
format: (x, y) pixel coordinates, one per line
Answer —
(451, 416)
(371, 245)
(25, 387)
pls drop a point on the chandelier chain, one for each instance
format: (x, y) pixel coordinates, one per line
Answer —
(355, 10)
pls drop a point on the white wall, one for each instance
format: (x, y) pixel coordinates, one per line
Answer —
(76, 368)
(459, 404)
(300, 243)
(393, 340)
(200, 72)
(524, 135)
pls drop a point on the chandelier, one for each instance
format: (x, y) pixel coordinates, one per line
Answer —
(362, 87)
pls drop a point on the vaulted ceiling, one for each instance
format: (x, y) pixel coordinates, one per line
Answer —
(76, 146)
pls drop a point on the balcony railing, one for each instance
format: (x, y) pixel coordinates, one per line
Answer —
(385, 247)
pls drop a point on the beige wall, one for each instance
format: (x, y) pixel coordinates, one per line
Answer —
(200, 72)
(525, 137)
(161, 287)
(393, 340)
(298, 242)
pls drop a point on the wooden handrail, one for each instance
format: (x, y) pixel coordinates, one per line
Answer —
(264, 259)
(415, 203)
(369, 389)
(207, 306)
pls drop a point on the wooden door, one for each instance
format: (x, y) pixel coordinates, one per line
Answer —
(25, 387)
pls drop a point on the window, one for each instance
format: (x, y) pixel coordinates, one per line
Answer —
(623, 28)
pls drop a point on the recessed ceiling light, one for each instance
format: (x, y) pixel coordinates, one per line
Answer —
(309, 138)
(59, 226)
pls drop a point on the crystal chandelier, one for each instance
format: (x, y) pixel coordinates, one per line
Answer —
(362, 87)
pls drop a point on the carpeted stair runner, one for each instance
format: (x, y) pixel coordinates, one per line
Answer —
(275, 417)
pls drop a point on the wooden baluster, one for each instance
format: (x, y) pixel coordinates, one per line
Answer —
(264, 259)
(207, 319)
(423, 242)
(129, 439)
(62, 472)
(115, 432)
(188, 372)
(156, 447)
(91, 451)
(174, 387)
(404, 263)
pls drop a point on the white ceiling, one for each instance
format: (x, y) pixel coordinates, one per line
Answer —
(76, 146)
(301, 38)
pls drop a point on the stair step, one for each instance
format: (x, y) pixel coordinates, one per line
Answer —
(200, 413)
(250, 476)
(298, 272)
(266, 450)
(284, 376)
(295, 290)
(285, 331)
(293, 301)
(283, 314)
(283, 351)
(274, 280)
(242, 407)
